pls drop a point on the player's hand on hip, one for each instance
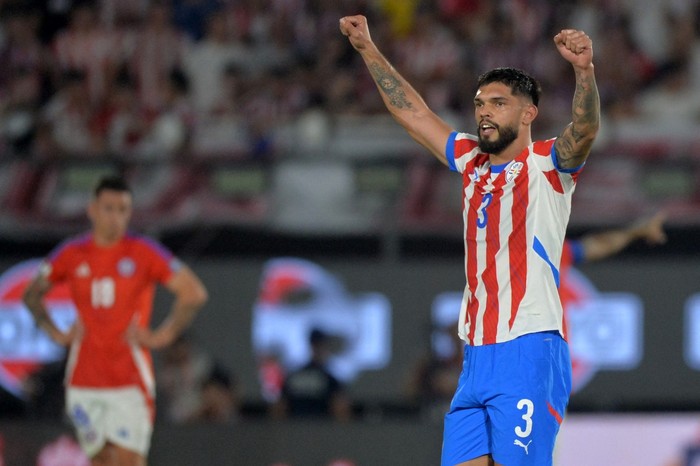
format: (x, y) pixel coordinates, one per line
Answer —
(152, 339)
(576, 47)
(75, 332)
(356, 30)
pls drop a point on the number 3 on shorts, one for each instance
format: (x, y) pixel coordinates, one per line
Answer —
(529, 408)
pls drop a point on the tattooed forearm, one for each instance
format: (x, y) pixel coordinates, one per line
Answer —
(586, 109)
(391, 86)
(574, 144)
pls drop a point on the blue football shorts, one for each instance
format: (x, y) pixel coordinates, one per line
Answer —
(510, 401)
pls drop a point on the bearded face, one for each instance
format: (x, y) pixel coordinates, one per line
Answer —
(494, 139)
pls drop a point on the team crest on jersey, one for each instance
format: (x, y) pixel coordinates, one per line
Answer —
(83, 270)
(514, 171)
(126, 267)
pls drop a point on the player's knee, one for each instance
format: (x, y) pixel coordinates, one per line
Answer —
(104, 457)
(129, 458)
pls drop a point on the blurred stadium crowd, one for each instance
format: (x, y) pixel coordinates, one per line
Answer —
(166, 88)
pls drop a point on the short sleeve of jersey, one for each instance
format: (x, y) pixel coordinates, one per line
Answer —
(162, 263)
(555, 161)
(55, 268)
(459, 150)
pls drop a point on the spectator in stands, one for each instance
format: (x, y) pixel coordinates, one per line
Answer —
(86, 45)
(21, 50)
(672, 100)
(122, 13)
(119, 123)
(312, 391)
(434, 381)
(190, 16)
(220, 398)
(185, 368)
(156, 48)
(168, 132)
(66, 120)
(19, 113)
(206, 61)
(22, 77)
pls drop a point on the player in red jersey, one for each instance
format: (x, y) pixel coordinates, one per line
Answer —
(112, 276)
(516, 198)
(601, 245)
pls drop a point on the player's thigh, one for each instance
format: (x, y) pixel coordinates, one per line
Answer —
(128, 457)
(465, 436)
(114, 455)
(485, 460)
(129, 424)
(527, 415)
(87, 411)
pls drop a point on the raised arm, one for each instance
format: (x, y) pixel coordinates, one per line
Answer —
(574, 143)
(405, 104)
(597, 246)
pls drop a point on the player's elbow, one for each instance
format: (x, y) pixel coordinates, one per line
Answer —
(30, 297)
(189, 289)
(197, 296)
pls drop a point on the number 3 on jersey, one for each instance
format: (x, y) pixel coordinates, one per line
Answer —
(102, 292)
(482, 218)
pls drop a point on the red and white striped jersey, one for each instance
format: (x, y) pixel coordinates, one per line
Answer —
(515, 218)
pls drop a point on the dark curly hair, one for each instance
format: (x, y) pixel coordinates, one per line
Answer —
(519, 82)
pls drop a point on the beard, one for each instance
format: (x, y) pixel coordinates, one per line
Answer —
(506, 135)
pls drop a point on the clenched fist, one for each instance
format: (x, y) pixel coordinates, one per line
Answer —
(357, 31)
(576, 47)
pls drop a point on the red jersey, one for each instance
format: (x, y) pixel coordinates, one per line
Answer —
(572, 254)
(111, 287)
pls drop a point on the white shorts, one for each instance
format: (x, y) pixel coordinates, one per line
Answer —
(117, 415)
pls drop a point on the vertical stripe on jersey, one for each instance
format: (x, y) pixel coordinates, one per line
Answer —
(471, 203)
(554, 180)
(517, 242)
(471, 211)
(144, 369)
(489, 276)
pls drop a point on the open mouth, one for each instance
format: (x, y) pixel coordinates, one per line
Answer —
(486, 129)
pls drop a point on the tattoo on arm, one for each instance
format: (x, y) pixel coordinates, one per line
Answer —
(33, 299)
(576, 140)
(391, 86)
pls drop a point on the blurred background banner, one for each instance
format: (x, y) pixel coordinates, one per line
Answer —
(297, 296)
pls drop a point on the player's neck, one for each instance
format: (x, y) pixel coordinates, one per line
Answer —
(512, 151)
(104, 241)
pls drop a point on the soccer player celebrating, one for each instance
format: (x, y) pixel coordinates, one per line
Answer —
(112, 276)
(516, 376)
